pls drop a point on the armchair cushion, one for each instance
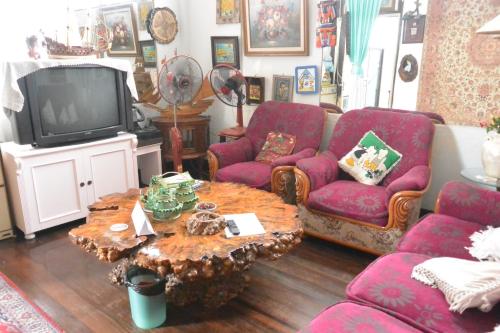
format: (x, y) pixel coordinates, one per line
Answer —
(321, 169)
(277, 145)
(232, 152)
(439, 236)
(470, 203)
(254, 174)
(416, 179)
(351, 199)
(370, 160)
(291, 160)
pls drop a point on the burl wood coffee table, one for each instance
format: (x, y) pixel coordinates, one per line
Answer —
(206, 269)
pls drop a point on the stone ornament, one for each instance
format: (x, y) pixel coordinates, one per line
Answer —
(205, 223)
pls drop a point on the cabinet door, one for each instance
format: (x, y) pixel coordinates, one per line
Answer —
(110, 169)
(55, 191)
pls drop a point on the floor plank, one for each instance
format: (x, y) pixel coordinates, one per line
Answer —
(283, 296)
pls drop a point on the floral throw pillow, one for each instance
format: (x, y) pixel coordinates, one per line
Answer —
(277, 145)
(371, 160)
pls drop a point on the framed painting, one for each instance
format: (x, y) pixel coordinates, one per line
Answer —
(388, 6)
(121, 21)
(275, 27)
(148, 50)
(225, 50)
(306, 80)
(413, 31)
(255, 89)
(143, 9)
(228, 11)
(282, 88)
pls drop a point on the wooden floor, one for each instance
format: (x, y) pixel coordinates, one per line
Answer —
(284, 295)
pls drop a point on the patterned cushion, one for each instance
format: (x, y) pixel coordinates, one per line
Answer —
(440, 236)
(351, 199)
(386, 284)
(370, 160)
(253, 174)
(305, 121)
(277, 145)
(391, 127)
(351, 317)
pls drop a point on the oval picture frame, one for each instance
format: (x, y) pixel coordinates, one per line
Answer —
(408, 68)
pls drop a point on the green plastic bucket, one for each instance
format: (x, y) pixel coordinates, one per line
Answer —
(146, 292)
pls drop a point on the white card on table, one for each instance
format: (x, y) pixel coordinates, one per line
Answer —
(248, 223)
(141, 222)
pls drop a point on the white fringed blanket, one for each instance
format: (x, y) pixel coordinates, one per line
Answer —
(486, 244)
(464, 283)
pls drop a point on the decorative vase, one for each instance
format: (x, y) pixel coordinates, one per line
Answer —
(491, 154)
(167, 207)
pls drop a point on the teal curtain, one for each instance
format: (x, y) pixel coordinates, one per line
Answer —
(362, 16)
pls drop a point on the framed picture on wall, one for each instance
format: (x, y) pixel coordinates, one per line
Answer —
(275, 27)
(121, 21)
(143, 9)
(306, 80)
(148, 50)
(388, 6)
(225, 50)
(282, 88)
(255, 89)
(413, 30)
(228, 11)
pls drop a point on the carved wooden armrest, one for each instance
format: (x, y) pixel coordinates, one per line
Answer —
(213, 164)
(283, 182)
(401, 207)
(302, 186)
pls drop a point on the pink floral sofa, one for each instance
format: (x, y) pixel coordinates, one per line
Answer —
(235, 161)
(335, 207)
(384, 298)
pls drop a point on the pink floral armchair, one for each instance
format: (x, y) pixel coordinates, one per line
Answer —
(335, 207)
(235, 161)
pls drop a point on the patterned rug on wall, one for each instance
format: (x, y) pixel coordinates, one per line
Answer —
(18, 314)
(460, 69)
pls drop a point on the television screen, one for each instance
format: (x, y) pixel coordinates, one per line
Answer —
(71, 100)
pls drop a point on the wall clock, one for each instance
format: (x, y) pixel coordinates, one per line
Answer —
(162, 25)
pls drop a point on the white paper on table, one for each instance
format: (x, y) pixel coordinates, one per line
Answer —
(141, 221)
(248, 223)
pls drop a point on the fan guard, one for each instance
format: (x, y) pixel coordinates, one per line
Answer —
(180, 79)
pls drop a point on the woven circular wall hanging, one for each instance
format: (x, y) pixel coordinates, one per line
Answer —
(408, 68)
(162, 25)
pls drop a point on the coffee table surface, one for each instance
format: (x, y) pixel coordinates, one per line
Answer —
(211, 269)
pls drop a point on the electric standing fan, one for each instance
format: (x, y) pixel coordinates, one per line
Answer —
(230, 87)
(179, 81)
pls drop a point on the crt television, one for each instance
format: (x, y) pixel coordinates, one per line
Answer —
(66, 104)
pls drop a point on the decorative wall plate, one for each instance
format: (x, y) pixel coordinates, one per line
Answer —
(408, 68)
(162, 25)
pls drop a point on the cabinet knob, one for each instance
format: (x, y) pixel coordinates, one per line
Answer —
(82, 184)
(89, 182)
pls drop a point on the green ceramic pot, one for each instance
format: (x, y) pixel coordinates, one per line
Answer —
(167, 207)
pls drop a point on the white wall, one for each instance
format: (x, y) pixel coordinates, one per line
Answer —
(201, 26)
(405, 93)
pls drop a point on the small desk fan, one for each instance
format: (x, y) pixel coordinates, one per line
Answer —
(230, 87)
(179, 81)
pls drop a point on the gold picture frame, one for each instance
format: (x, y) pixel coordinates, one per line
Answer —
(120, 20)
(228, 11)
(282, 88)
(275, 27)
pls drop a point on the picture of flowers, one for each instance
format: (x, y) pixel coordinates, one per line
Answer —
(121, 21)
(275, 27)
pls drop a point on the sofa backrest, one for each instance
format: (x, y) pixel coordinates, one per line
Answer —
(410, 134)
(305, 121)
(435, 117)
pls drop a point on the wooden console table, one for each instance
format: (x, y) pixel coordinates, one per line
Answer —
(195, 136)
(233, 133)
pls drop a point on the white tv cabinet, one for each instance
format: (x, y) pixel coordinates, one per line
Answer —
(52, 186)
